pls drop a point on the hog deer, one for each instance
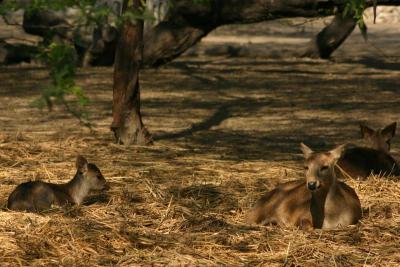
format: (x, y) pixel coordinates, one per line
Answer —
(35, 196)
(362, 161)
(318, 201)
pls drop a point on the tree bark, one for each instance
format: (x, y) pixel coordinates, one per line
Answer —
(127, 122)
(187, 23)
(170, 41)
(330, 38)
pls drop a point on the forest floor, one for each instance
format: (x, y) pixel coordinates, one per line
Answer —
(227, 128)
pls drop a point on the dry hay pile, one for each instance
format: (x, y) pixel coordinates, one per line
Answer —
(183, 211)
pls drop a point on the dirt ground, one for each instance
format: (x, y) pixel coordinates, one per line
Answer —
(227, 128)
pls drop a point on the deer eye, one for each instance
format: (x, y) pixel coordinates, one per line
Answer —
(324, 168)
(306, 168)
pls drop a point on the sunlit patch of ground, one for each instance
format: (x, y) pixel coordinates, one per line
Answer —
(226, 130)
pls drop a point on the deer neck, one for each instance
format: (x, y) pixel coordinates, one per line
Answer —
(319, 203)
(77, 188)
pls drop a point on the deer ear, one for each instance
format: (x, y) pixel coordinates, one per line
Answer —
(306, 150)
(81, 164)
(389, 131)
(336, 153)
(366, 132)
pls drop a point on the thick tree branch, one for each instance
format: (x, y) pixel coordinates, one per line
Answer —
(330, 38)
(187, 23)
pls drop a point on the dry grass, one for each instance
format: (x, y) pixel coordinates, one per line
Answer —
(182, 201)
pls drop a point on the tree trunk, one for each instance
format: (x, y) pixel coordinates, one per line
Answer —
(330, 38)
(127, 122)
(188, 22)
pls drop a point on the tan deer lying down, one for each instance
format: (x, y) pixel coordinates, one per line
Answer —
(38, 196)
(319, 201)
(362, 161)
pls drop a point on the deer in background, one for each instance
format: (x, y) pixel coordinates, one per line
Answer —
(318, 201)
(362, 161)
(37, 196)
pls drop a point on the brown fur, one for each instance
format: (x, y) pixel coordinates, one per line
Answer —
(38, 196)
(362, 161)
(330, 205)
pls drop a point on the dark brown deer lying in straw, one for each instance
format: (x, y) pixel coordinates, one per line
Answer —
(362, 161)
(38, 196)
(318, 201)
